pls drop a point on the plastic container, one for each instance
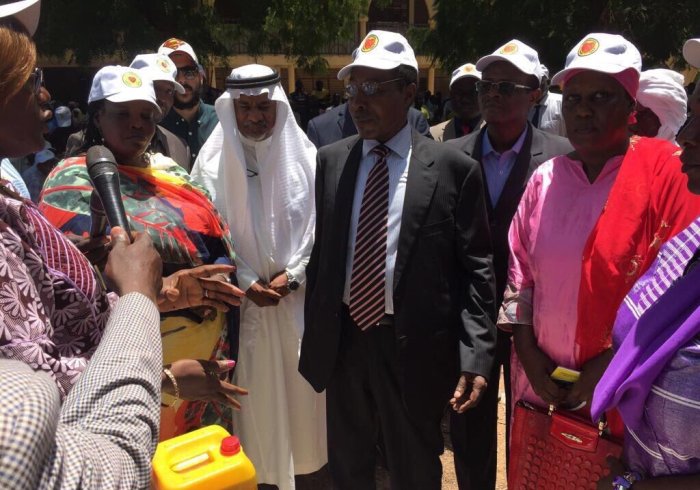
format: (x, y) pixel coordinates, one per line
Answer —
(205, 459)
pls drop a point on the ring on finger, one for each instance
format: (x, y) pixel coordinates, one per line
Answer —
(224, 277)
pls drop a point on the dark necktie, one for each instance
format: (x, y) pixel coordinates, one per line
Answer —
(367, 280)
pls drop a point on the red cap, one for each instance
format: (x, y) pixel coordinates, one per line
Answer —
(230, 445)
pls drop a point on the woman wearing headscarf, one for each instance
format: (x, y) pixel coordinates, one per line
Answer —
(654, 378)
(588, 225)
(662, 105)
(160, 199)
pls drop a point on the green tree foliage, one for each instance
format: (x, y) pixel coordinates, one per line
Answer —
(299, 29)
(88, 30)
(468, 29)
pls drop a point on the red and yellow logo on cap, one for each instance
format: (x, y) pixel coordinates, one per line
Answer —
(589, 46)
(510, 48)
(173, 43)
(468, 68)
(163, 65)
(370, 43)
(131, 79)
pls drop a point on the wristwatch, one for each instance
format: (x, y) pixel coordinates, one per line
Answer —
(292, 282)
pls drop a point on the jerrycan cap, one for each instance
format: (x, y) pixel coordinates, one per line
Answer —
(230, 445)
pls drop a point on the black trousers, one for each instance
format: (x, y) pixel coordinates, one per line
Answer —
(474, 433)
(362, 396)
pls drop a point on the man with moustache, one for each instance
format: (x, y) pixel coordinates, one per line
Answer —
(162, 71)
(509, 149)
(259, 167)
(399, 307)
(465, 105)
(190, 119)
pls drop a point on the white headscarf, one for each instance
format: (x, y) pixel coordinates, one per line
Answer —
(662, 91)
(286, 174)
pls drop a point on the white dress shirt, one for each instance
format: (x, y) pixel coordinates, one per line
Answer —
(397, 161)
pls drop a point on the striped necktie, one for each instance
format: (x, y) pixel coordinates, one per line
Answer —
(367, 281)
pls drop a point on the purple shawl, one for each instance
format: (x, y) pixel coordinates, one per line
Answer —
(652, 341)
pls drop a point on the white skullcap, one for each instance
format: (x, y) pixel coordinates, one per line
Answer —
(662, 91)
(252, 80)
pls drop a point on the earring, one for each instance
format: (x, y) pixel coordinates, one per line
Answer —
(632, 119)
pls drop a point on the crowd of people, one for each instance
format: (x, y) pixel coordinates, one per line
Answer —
(329, 288)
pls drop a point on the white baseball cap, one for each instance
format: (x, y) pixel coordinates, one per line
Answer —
(518, 54)
(63, 116)
(691, 52)
(382, 50)
(466, 70)
(601, 52)
(175, 45)
(158, 67)
(122, 84)
(26, 12)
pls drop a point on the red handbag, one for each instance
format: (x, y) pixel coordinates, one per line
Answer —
(553, 450)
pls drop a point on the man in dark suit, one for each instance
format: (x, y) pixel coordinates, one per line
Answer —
(336, 124)
(400, 288)
(508, 149)
(465, 105)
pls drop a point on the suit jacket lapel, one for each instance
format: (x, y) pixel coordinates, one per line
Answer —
(476, 154)
(345, 179)
(420, 186)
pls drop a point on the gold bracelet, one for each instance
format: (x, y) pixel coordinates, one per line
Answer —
(170, 375)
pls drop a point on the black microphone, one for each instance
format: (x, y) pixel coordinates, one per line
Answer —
(98, 225)
(103, 172)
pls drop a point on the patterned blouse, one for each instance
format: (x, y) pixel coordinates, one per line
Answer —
(53, 310)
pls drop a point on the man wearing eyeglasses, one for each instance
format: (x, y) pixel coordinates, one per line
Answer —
(400, 291)
(508, 149)
(465, 106)
(259, 168)
(190, 118)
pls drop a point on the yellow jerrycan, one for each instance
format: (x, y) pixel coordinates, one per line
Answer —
(205, 459)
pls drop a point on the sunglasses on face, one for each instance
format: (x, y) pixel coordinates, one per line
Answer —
(368, 88)
(189, 72)
(503, 88)
(35, 80)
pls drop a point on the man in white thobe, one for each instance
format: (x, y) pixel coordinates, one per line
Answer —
(259, 167)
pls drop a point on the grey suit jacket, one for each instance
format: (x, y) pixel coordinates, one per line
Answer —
(105, 434)
(336, 124)
(443, 277)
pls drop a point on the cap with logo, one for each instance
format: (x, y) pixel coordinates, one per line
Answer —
(518, 54)
(382, 50)
(158, 67)
(175, 45)
(691, 52)
(466, 70)
(604, 53)
(26, 12)
(122, 84)
(63, 116)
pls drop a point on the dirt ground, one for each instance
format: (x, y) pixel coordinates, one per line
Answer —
(321, 479)
(449, 479)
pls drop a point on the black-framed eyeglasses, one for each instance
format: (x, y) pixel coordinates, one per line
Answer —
(503, 87)
(189, 72)
(368, 88)
(35, 80)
